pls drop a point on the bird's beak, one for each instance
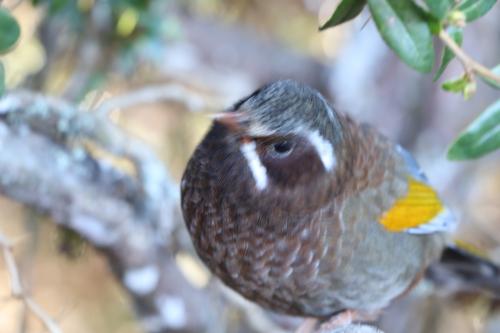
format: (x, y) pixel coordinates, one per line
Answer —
(239, 123)
(233, 121)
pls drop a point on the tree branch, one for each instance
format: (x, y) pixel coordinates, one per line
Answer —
(44, 163)
(168, 92)
(470, 65)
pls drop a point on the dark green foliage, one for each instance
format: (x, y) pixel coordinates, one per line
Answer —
(480, 137)
(9, 31)
(474, 9)
(346, 10)
(408, 28)
(439, 8)
(457, 34)
(9, 35)
(405, 29)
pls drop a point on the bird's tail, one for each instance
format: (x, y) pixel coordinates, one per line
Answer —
(462, 271)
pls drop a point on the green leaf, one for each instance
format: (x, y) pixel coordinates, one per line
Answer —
(345, 11)
(456, 34)
(2, 79)
(439, 8)
(464, 85)
(480, 137)
(456, 85)
(474, 9)
(9, 30)
(495, 70)
(405, 29)
(435, 26)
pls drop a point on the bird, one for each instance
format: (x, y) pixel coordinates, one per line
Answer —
(307, 212)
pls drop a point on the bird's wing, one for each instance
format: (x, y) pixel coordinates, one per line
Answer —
(419, 211)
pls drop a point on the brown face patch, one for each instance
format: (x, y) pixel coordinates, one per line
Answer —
(290, 161)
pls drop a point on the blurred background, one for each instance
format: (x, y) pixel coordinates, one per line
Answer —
(210, 53)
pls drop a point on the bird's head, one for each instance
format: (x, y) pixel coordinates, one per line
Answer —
(288, 135)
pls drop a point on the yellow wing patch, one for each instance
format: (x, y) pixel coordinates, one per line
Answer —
(420, 205)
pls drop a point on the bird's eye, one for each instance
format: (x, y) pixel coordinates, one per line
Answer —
(282, 148)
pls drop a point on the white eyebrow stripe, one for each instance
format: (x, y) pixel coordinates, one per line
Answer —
(324, 149)
(329, 110)
(258, 170)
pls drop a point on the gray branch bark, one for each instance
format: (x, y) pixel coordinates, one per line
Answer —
(46, 162)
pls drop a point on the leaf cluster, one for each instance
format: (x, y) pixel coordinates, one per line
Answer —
(409, 27)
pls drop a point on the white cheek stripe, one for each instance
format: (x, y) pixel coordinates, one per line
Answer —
(324, 149)
(259, 172)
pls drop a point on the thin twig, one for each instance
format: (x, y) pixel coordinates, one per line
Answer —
(470, 65)
(18, 291)
(366, 23)
(167, 92)
(40, 313)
